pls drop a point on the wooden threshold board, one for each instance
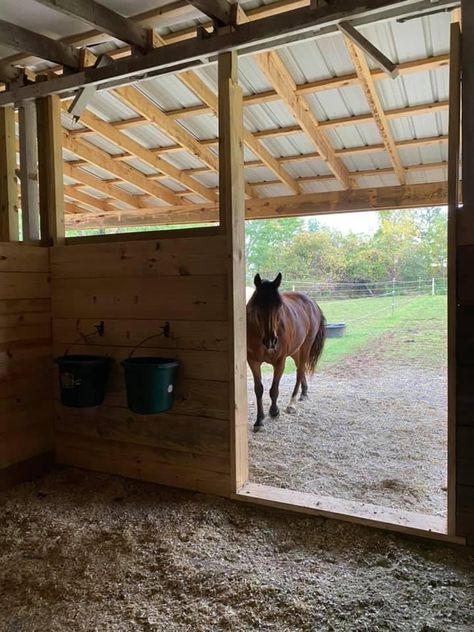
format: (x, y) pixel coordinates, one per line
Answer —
(407, 522)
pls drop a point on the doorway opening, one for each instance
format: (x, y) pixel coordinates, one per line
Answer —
(372, 437)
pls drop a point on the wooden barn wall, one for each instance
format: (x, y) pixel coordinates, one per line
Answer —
(25, 363)
(135, 288)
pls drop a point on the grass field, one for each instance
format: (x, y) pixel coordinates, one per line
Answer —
(415, 330)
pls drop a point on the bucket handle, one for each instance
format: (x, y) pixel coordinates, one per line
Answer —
(165, 331)
(98, 331)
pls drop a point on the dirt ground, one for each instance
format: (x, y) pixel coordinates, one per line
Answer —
(88, 552)
(373, 430)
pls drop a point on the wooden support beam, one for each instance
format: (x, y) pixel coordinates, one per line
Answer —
(8, 183)
(103, 19)
(196, 85)
(382, 61)
(354, 200)
(220, 11)
(269, 32)
(163, 16)
(275, 71)
(97, 204)
(103, 186)
(29, 171)
(137, 150)
(453, 207)
(370, 91)
(149, 111)
(232, 224)
(103, 160)
(135, 100)
(40, 45)
(50, 170)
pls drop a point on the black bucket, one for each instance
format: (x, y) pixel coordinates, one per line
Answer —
(83, 379)
(335, 331)
(150, 383)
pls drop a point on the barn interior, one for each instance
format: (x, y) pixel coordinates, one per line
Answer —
(133, 148)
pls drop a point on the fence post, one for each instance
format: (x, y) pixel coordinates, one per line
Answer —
(432, 287)
(393, 296)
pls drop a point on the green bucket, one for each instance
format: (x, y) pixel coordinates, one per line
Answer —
(83, 379)
(150, 384)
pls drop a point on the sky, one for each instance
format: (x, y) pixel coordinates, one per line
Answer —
(366, 222)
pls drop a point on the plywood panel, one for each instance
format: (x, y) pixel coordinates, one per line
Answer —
(16, 257)
(154, 258)
(25, 305)
(195, 334)
(184, 433)
(201, 398)
(168, 298)
(135, 288)
(203, 365)
(135, 462)
(26, 402)
(21, 444)
(21, 285)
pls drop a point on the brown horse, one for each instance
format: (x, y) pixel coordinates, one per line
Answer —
(282, 325)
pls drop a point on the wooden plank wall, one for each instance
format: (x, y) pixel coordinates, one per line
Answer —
(25, 362)
(135, 287)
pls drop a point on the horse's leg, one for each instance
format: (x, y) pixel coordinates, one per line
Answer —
(304, 388)
(300, 379)
(256, 369)
(274, 391)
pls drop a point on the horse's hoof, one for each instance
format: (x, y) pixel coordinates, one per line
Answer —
(258, 426)
(274, 413)
(303, 398)
(291, 410)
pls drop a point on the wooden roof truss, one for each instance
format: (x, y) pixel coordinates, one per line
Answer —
(127, 188)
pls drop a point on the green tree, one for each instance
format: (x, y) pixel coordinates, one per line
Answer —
(315, 256)
(265, 241)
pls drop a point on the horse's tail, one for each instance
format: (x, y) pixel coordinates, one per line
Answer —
(318, 344)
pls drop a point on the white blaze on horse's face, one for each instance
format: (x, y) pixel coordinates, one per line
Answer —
(270, 328)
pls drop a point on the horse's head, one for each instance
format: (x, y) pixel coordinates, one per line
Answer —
(266, 303)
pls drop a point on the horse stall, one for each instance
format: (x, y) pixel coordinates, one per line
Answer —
(128, 166)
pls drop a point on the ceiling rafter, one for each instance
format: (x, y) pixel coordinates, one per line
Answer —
(219, 11)
(102, 159)
(152, 113)
(103, 19)
(137, 101)
(368, 86)
(359, 119)
(107, 187)
(42, 46)
(196, 85)
(135, 149)
(161, 16)
(98, 204)
(274, 69)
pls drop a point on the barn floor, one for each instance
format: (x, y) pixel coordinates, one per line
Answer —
(374, 430)
(85, 551)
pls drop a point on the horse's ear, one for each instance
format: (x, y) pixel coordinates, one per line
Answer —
(277, 280)
(258, 281)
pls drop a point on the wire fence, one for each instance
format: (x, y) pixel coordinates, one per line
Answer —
(344, 291)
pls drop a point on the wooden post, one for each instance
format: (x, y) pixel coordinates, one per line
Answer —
(8, 184)
(464, 290)
(29, 171)
(232, 224)
(50, 166)
(453, 199)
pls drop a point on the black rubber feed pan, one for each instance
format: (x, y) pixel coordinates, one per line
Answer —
(337, 330)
